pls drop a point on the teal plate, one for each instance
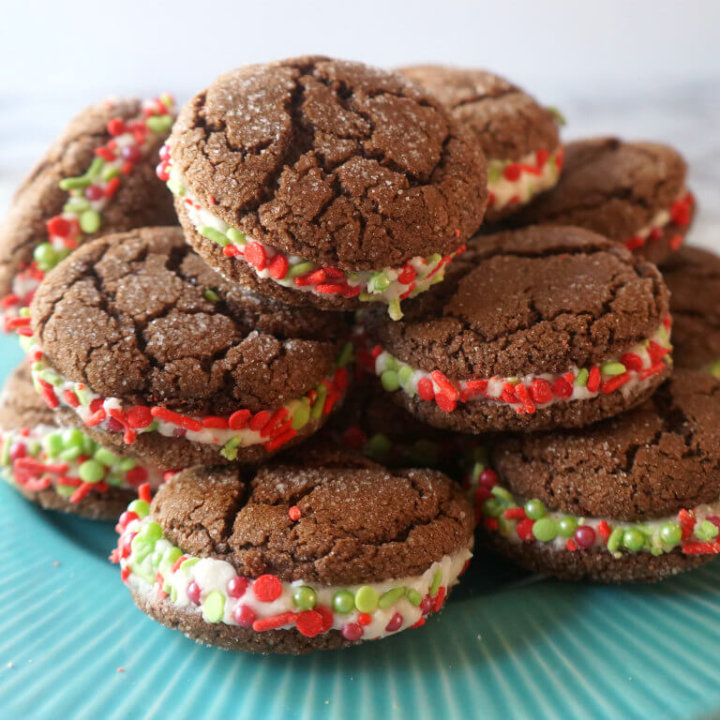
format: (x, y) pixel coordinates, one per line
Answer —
(73, 645)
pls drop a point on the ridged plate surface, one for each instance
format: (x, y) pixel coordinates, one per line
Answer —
(505, 647)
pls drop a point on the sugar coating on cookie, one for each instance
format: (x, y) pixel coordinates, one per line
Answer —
(140, 342)
(534, 329)
(693, 277)
(519, 136)
(62, 468)
(325, 182)
(296, 557)
(636, 497)
(96, 178)
(633, 193)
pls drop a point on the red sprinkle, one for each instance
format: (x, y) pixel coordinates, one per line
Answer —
(95, 418)
(183, 421)
(604, 529)
(275, 421)
(656, 352)
(231, 251)
(562, 388)
(440, 598)
(706, 548)
(49, 396)
(144, 492)
(112, 186)
(594, 377)
(541, 391)
(570, 545)
(632, 361)
(294, 513)
(491, 523)
(524, 396)
(512, 172)
(278, 266)
(280, 440)
(215, 423)
(686, 522)
(516, 513)
(244, 615)
(329, 288)
(425, 389)
(364, 618)
(445, 403)
(71, 398)
(259, 420)
(275, 621)
(137, 476)
(310, 623)
(58, 226)
(267, 588)
(255, 255)
(178, 562)
(614, 383)
(524, 530)
(239, 419)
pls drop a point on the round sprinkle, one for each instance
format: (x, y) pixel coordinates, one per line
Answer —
(309, 623)
(237, 586)
(545, 529)
(671, 533)
(352, 631)
(633, 539)
(140, 508)
(390, 380)
(305, 597)
(395, 623)
(193, 592)
(534, 509)
(152, 532)
(91, 471)
(294, 513)
(585, 536)
(567, 526)
(366, 599)
(343, 602)
(90, 221)
(244, 616)
(214, 606)
(267, 588)
(45, 256)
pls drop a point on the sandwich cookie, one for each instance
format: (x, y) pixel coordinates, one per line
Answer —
(633, 193)
(693, 278)
(62, 469)
(519, 136)
(296, 557)
(540, 328)
(141, 344)
(634, 498)
(98, 177)
(322, 182)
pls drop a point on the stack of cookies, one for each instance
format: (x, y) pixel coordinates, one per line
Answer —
(289, 456)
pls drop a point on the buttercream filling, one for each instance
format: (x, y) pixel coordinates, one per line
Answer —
(679, 214)
(528, 393)
(212, 588)
(272, 428)
(69, 462)
(693, 531)
(390, 285)
(516, 182)
(87, 197)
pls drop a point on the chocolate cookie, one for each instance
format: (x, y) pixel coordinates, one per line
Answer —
(693, 278)
(633, 193)
(323, 182)
(632, 498)
(370, 423)
(540, 328)
(519, 136)
(296, 557)
(142, 344)
(62, 469)
(98, 177)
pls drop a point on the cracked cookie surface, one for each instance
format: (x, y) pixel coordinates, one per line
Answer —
(359, 522)
(140, 199)
(336, 162)
(693, 278)
(130, 316)
(615, 188)
(650, 462)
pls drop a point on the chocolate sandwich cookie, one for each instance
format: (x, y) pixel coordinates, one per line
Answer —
(693, 278)
(633, 193)
(62, 469)
(141, 344)
(296, 557)
(534, 329)
(98, 177)
(519, 136)
(633, 498)
(323, 182)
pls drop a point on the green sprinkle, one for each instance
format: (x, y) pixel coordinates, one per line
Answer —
(51, 377)
(613, 368)
(545, 529)
(616, 537)
(173, 593)
(109, 172)
(366, 599)
(235, 236)
(494, 172)
(492, 507)
(378, 446)
(582, 377)
(45, 256)
(706, 530)
(437, 579)
(215, 235)
(187, 564)
(379, 282)
(346, 355)
(317, 408)
(104, 456)
(214, 606)
(343, 602)
(301, 416)
(305, 597)
(211, 296)
(159, 124)
(175, 187)
(390, 380)
(300, 269)
(534, 509)
(394, 310)
(95, 167)
(127, 464)
(91, 471)
(76, 205)
(140, 508)
(138, 570)
(83, 396)
(714, 369)
(70, 454)
(5, 454)
(404, 374)
(366, 297)
(391, 363)
(389, 598)
(64, 490)
(633, 539)
(152, 532)
(75, 183)
(567, 526)
(53, 444)
(503, 494)
(90, 221)
(229, 451)
(140, 548)
(434, 259)
(559, 117)
(414, 597)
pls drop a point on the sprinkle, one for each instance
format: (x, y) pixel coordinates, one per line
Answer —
(144, 492)
(279, 441)
(294, 513)
(611, 385)
(275, 621)
(174, 418)
(267, 588)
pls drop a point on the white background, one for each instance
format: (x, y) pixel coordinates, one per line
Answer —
(638, 68)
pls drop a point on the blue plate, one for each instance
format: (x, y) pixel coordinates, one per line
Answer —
(73, 645)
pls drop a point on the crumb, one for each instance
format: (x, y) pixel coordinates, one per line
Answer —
(121, 669)
(56, 563)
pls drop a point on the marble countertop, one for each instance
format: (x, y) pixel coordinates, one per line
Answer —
(686, 116)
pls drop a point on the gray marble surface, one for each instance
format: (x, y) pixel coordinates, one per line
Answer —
(685, 116)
